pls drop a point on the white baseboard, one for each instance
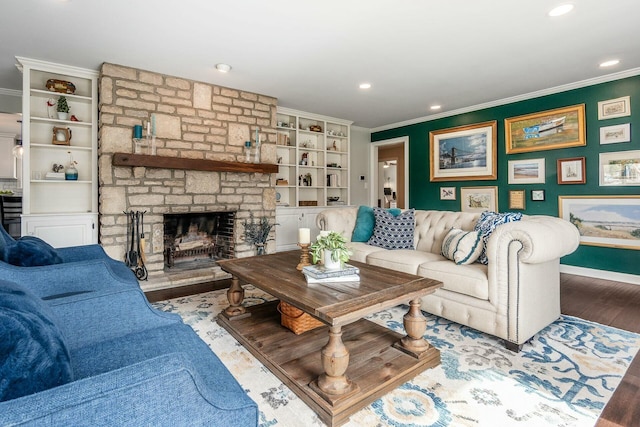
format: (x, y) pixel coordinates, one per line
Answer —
(600, 274)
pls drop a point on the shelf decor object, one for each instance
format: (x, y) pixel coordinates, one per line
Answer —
(61, 136)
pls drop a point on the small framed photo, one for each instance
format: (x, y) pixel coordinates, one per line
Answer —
(61, 136)
(447, 193)
(478, 199)
(615, 134)
(516, 199)
(537, 195)
(620, 168)
(571, 171)
(529, 171)
(619, 107)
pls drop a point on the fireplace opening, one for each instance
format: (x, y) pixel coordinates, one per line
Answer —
(197, 240)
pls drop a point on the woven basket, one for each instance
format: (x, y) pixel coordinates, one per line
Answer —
(296, 320)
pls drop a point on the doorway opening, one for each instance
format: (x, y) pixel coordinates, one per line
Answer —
(390, 173)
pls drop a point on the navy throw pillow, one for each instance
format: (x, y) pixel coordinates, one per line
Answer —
(393, 232)
(488, 222)
(33, 354)
(29, 251)
(366, 221)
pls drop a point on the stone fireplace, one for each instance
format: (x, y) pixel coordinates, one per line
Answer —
(196, 123)
(197, 240)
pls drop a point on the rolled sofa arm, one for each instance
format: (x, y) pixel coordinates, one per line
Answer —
(342, 220)
(543, 239)
(166, 390)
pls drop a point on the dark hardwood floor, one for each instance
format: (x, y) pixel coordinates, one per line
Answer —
(602, 301)
(616, 304)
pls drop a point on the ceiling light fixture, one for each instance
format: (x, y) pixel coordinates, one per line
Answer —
(610, 63)
(365, 85)
(561, 10)
(223, 68)
(436, 107)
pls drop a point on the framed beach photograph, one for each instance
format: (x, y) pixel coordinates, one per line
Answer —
(618, 107)
(571, 171)
(447, 193)
(615, 134)
(464, 153)
(620, 168)
(530, 171)
(547, 130)
(478, 199)
(612, 221)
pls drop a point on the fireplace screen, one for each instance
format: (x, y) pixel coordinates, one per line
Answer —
(193, 240)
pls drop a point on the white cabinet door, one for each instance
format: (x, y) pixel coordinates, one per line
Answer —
(289, 220)
(62, 230)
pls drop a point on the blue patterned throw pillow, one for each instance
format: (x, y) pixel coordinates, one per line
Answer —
(462, 247)
(488, 222)
(393, 232)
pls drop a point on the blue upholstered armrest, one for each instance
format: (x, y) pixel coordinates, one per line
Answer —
(166, 390)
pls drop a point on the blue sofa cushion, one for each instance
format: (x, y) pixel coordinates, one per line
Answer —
(365, 222)
(29, 251)
(393, 232)
(33, 353)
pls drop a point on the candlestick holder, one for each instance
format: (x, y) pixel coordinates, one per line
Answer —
(304, 255)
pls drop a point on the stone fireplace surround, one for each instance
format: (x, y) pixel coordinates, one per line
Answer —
(194, 120)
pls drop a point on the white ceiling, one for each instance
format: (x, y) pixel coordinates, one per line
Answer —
(312, 55)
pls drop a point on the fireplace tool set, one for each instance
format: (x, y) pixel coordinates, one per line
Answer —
(134, 255)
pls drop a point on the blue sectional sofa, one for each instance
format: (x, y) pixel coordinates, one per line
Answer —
(94, 352)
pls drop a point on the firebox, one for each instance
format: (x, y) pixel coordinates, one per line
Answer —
(197, 240)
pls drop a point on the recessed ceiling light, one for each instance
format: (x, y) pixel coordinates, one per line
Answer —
(610, 63)
(365, 85)
(436, 107)
(561, 10)
(223, 68)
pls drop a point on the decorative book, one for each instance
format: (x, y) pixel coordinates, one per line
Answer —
(320, 272)
(335, 279)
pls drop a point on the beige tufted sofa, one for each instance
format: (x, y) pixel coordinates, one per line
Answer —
(513, 297)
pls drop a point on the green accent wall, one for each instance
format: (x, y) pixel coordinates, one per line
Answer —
(424, 194)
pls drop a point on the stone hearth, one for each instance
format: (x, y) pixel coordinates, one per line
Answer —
(194, 121)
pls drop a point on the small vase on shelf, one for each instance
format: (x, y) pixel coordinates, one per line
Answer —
(71, 173)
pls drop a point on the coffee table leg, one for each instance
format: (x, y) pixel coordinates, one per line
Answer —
(415, 324)
(235, 295)
(335, 360)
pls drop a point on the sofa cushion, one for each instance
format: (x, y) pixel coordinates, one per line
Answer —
(29, 251)
(33, 353)
(360, 251)
(365, 222)
(468, 280)
(488, 222)
(462, 247)
(393, 232)
(405, 260)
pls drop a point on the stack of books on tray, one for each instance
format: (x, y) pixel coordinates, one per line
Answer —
(319, 274)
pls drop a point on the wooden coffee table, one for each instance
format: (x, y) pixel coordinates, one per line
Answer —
(360, 361)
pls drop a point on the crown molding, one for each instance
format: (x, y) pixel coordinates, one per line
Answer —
(550, 91)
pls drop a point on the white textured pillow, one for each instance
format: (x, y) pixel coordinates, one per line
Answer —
(462, 247)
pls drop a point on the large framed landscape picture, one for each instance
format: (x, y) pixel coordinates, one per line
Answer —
(612, 221)
(464, 153)
(547, 130)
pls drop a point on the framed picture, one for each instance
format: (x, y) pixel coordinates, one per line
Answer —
(61, 136)
(619, 107)
(611, 221)
(537, 195)
(464, 153)
(447, 193)
(529, 171)
(478, 199)
(516, 199)
(615, 134)
(547, 130)
(620, 168)
(571, 171)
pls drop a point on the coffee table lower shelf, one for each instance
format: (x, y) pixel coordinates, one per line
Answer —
(375, 365)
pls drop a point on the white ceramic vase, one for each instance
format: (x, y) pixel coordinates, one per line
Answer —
(329, 263)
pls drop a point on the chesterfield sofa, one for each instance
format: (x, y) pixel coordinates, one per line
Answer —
(513, 297)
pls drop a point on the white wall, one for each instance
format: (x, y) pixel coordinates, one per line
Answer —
(10, 101)
(360, 152)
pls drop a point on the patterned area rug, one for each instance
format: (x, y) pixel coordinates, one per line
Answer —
(564, 377)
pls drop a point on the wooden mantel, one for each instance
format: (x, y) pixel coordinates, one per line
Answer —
(135, 160)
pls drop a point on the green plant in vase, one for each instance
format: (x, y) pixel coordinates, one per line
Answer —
(257, 233)
(62, 108)
(332, 248)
